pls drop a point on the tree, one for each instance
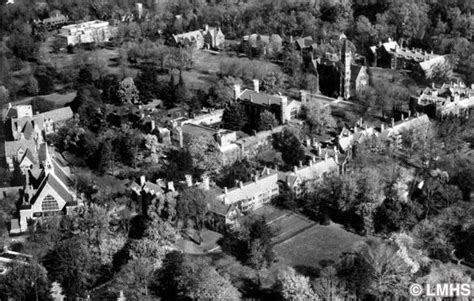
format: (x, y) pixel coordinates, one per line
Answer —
(222, 93)
(318, 118)
(241, 170)
(290, 147)
(4, 95)
(147, 84)
(234, 117)
(72, 265)
(273, 82)
(292, 286)
(110, 86)
(193, 205)
(84, 77)
(205, 155)
(376, 269)
(310, 83)
(25, 282)
(267, 121)
(39, 104)
(32, 86)
(127, 92)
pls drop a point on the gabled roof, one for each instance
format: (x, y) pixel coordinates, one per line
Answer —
(57, 115)
(61, 174)
(12, 147)
(56, 186)
(28, 130)
(29, 156)
(304, 42)
(250, 189)
(260, 98)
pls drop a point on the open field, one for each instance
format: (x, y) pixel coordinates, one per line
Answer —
(314, 248)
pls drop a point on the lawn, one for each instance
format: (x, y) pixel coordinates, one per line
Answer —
(316, 247)
(209, 237)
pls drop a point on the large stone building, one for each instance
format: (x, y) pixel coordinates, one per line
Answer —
(256, 102)
(87, 32)
(391, 55)
(28, 132)
(449, 99)
(46, 193)
(209, 38)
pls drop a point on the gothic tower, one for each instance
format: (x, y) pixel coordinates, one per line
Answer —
(346, 60)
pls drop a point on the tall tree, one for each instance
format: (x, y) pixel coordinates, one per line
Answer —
(290, 147)
(267, 121)
(318, 118)
(127, 91)
(234, 117)
(292, 286)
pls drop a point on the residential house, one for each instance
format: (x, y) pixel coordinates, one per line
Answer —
(87, 32)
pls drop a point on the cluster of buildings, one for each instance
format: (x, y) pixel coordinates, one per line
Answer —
(322, 158)
(48, 188)
(87, 32)
(235, 145)
(339, 73)
(207, 38)
(448, 99)
(391, 55)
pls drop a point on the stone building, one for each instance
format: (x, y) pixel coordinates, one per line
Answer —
(87, 32)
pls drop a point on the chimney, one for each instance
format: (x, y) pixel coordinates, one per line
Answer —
(320, 150)
(336, 158)
(382, 127)
(256, 85)
(313, 159)
(295, 168)
(356, 129)
(268, 171)
(237, 91)
(301, 164)
(308, 142)
(303, 96)
(189, 180)
(205, 182)
(225, 190)
(121, 297)
(171, 186)
(255, 178)
(403, 117)
(409, 113)
(241, 184)
(326, 156)
(335, 151)
(206, 27)
(142, 180)
(393, 122)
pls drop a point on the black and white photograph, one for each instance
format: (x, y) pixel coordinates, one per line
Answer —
(237, 150)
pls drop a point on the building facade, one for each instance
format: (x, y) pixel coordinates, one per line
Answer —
(87, 32)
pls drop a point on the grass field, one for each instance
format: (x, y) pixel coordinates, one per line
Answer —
(316, 247)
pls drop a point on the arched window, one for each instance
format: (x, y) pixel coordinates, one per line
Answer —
(49, 204)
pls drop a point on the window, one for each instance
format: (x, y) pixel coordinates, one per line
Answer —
(49, 204)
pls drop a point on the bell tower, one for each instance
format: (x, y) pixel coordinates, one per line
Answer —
(346, 60)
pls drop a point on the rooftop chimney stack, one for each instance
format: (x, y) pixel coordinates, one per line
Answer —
(256, 85)
(393, 122)
(295, 168)
(301, 164)
(382, 127)
(189, 180)
(326, 156)
(205, 182)
(171, 186)
(225, 190)
(303, 96)
(237, 91)
(241, 184)
(142, 180)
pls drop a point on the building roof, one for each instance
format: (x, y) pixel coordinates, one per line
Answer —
(56, 186)
(190, 36)
(250, 189)
(260, 98)
(12, 147)
(58, 115)
(28, 130)
(304, 42)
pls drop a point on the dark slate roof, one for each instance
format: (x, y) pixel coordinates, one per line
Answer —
(56, 186)
(30, 156)
(28, 130)
(305, 42)
(62, 176)
(260, 98)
